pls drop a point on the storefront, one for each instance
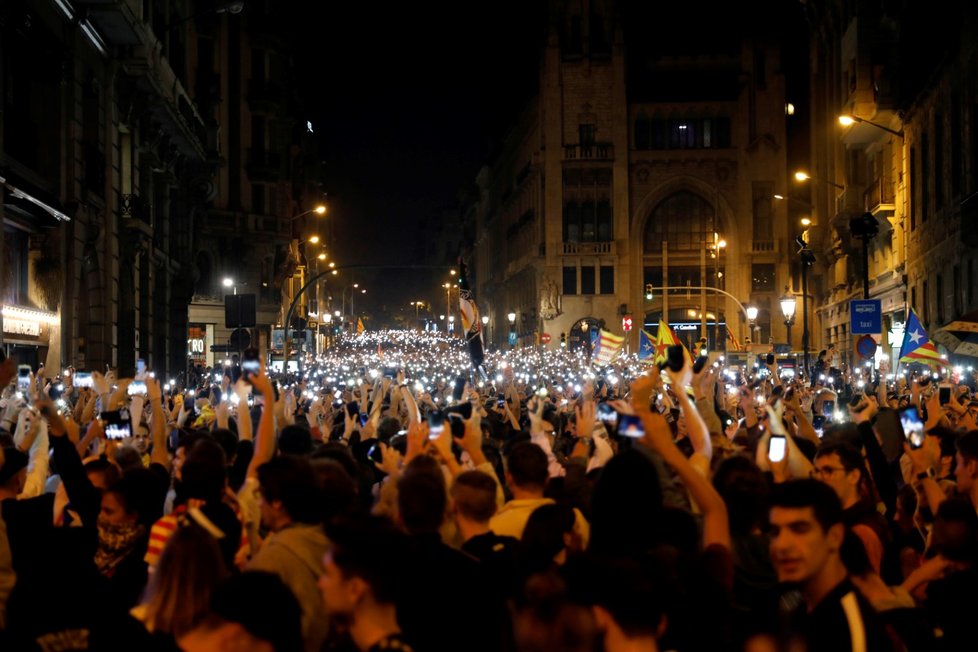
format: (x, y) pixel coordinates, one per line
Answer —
(27, 334)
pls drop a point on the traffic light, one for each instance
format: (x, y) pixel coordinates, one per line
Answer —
(563, 340)
(648, 291)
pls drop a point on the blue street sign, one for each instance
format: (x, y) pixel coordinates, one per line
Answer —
(512, 338)
(865, 317)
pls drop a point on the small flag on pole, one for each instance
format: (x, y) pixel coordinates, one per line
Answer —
(734, 344)
(606, 348)
(917, 347)
(360, 327)
(646, 345)
(664, 339)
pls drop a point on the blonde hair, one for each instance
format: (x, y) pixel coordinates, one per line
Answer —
(178, 594)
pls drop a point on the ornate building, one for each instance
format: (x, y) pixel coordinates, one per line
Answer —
(903, 76)
(649, 157)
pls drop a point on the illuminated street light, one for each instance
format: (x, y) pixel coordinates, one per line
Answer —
(806, 221)
(314, 239)
(321, 209)
(228, 282)
(322, 256)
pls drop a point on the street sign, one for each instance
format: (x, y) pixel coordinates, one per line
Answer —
(866, 347)
(626, 323)
(545, 338)
(512, 338)
(865, 317)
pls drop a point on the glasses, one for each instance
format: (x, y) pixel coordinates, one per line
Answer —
(827, 470)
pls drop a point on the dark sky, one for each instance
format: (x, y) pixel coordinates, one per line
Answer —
(405, 98)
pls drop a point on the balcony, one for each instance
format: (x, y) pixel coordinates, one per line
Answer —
(589, 248)
(589, 152)
(763, 246)
(263, 165)
(848, 204)
(132, 207)
(265, 97)
(879, 198)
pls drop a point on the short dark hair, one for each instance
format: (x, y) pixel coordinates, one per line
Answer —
(362, 547)
(527, 465)
(798, 494)
(955, 533)
(849, 455)
(264, 605)
(290, 479)
(421, 496)
(139, 492)
(474, 493)
(204, 471)
(630, 589)
(967, 445)
(295, 440)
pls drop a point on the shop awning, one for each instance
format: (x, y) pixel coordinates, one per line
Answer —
(17, 195)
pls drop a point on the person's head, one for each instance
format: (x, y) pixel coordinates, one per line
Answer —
(261, 605)
(102, 473)
(474, 496)
(421, 496)
(141, 438)
(190, 570)
(547, 617)
(128, 458)
(625, 594)
(204, 473)
(289, 492)
(743, 488)
(387, 428)
(626, 505)
(295, 440)
(13, 473)
(133, 500)
(806, 529)
(548, 536)
(966, 461)
(359, 568)
(955, 533)
(526, 468)
(840, 465)
(338, 489)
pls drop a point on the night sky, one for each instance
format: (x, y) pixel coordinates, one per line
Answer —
(407, 100)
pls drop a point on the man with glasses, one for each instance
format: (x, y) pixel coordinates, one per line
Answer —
(840, 465)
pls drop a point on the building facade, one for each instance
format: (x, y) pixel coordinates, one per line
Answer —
(104, 158)
(903, 76)
(638, 167)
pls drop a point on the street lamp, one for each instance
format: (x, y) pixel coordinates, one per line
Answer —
(314, 239)
(788, 303)
(804, 176)
(511, 317)
(807, 259)
(318, 210)
(229, 283)
(847, 120)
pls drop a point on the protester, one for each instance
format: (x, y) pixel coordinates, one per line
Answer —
(389, 496)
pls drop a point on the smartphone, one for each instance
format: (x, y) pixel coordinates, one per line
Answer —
(828, 408)
(459, 388)
(770, 358)
(250, 363)
(500, 400)
(699, 363)
(353, 408)
(944, 394)
(436, 424)
(674, 357)
(337, 404)
(140, 367)
(913, 426)
(120, 430)
(608, 416)
(542, 392)
(137, 387)
(24, 377)
(82, 379)
(776, 447)
(630, 425)
(390, 372)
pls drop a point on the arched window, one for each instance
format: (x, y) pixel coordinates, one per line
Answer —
(684, 219)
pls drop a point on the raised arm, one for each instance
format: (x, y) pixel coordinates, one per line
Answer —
(696, 429)
(265, 446)
(158, 425)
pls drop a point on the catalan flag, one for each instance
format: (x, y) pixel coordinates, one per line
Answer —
(646, 345)
(360, 326)
(917, 347)
(664, 339)
(734, 344)
(606, 348)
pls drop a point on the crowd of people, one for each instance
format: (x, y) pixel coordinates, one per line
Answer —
(388, 496)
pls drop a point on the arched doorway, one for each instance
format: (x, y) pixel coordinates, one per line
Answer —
(581, 333)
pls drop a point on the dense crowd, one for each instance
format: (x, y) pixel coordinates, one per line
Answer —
(388, 496)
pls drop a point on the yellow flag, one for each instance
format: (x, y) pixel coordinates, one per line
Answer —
(360, 327)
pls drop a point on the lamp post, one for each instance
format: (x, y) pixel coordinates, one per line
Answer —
(807, 259)
(804, 176)
(788, 304)
(718, 245)
(485, 326)
(229, 283)
(752, 319)
(847, 120)
(865, 227)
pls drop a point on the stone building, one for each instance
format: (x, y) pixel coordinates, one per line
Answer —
(645, 159)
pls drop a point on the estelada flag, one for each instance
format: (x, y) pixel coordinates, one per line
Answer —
(916, 346)
(734, 344)
(606, 348)
(360, 327)
(664, 339)
(646, 345)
